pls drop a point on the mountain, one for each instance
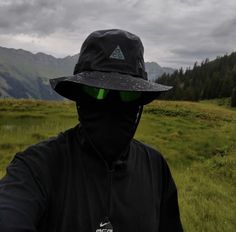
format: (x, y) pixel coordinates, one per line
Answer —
(26, 75)
(154, 70)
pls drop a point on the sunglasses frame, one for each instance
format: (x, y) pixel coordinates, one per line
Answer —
(101, 94)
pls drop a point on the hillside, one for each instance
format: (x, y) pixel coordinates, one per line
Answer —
(198, 141)
(209, 80)
(25, 75)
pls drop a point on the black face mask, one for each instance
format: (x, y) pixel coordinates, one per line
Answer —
(109, 128)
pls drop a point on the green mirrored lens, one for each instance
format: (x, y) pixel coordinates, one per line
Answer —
(127, 96)
(94, 92)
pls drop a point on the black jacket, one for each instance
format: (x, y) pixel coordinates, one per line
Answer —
(62, 185)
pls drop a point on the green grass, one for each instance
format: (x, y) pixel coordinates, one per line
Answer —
(197, 139)
(26, 122)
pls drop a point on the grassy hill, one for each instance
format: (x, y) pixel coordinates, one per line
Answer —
(197, 139)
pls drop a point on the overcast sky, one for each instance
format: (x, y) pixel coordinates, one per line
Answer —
(175, 33)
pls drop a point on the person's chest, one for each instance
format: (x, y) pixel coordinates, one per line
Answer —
(130, 199)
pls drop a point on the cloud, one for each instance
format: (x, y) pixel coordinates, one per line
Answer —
(225, 30)
(42, 17)
(174, 32)
(30, 17)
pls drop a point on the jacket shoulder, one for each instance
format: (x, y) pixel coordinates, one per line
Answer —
(151, 155)
(146, 148)
(52, 146)
(46, 158)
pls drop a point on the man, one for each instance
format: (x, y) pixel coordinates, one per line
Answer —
(95, 177)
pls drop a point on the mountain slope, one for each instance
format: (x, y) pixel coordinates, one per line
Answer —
(26, 75)
(209, 80)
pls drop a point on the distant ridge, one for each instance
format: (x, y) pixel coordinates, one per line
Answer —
(26, 75)
(154, 70)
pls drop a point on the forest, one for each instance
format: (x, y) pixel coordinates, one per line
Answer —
(207, 80)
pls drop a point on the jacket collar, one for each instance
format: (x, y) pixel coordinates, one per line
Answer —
(120, 167)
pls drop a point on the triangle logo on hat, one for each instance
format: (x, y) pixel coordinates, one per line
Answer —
(117, 54)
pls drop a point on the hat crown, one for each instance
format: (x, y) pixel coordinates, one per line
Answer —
(113, 60)
(112, 50)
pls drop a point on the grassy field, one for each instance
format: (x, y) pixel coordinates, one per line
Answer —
(197, 139)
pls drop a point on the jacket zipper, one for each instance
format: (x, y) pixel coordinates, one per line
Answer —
(109, 194)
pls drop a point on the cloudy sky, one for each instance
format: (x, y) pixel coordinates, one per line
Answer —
(175, 33)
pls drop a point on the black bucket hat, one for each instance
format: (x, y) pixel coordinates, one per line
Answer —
(113, 60)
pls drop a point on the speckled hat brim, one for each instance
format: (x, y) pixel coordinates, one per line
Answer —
(68, 87)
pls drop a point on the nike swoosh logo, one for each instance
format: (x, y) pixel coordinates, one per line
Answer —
(103, 224)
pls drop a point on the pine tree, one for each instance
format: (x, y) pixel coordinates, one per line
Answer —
(206, 80)
(233, 98)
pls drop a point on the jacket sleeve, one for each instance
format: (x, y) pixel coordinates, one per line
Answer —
(169, 215)
(22, 198)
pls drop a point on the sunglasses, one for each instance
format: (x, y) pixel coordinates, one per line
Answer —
(101, 94)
